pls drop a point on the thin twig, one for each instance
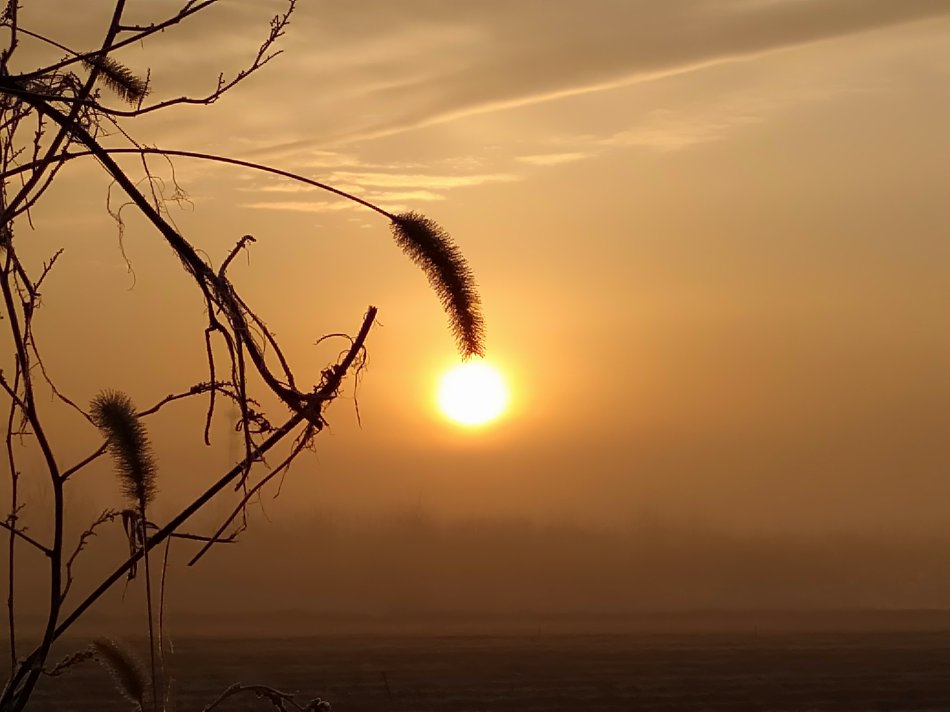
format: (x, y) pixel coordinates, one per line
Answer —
(275, 697)
(298, 447)
(108, 515)
(25, 537)
(143, 32)
(194, 390)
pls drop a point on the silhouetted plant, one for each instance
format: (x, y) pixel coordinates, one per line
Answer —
(115, 416)
(430, 247)
(119, 78)
(53, 114)
(131, 680)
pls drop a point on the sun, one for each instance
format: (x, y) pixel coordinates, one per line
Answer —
(472, 393)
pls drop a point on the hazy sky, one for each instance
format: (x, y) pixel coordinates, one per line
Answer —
(710, 236)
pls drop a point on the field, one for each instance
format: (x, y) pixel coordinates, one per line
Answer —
(593, 673)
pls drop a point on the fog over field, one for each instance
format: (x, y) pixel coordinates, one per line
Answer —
(331, 574)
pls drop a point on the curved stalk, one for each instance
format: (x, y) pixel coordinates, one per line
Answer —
(69, 155)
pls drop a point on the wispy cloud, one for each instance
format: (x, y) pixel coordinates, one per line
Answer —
(666, 130)
(395, 201)
(390, 197)
(378, 68)
(554, 159)
(278, 188)
(694, 121)
(429, 181)
(392, 191)
(534, 52)
(304, 206)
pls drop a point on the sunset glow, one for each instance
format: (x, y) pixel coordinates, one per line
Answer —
(472, 350)
(473, 393)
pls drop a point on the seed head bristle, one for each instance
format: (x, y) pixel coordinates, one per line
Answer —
(430, 246)
(127, 672)
(114, 414)
(119, 78)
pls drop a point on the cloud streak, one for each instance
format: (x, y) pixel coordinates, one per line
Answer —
(554, 159)
(391, 190)
(353, 72)
(434, 182)
(511, 54)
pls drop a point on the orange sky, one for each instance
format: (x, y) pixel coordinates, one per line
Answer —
(711, 241)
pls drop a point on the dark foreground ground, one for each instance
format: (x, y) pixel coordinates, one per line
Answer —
(734, 672)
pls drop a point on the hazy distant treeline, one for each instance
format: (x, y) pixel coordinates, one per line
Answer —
(412, 565)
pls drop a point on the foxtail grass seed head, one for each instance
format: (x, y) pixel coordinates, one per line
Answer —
(114, 414)
(430, 246)
(127, 672)
(119, 78)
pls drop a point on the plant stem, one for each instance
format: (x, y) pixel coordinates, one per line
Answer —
(148, 607)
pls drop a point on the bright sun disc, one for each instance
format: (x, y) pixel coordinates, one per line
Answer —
(473, 393)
